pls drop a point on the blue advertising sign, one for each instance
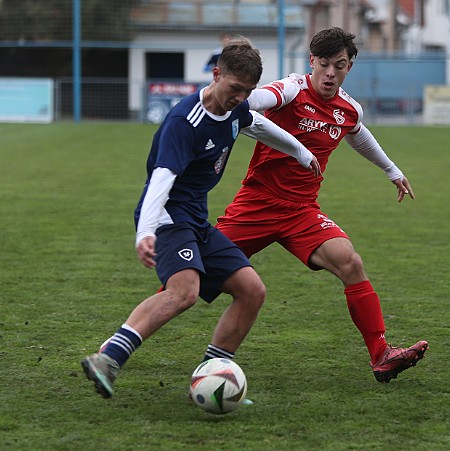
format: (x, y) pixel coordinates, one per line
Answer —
(26, 100)
(163, 96)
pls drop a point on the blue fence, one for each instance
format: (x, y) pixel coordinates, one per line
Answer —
(390, 84)
(393, 84)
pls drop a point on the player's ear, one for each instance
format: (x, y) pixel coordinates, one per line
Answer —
(311, 60)
(350, 65)
(216, 73)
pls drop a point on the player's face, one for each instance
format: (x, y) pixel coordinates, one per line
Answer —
(329, 73)
(230, 91)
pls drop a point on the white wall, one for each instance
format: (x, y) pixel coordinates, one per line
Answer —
(437, 24)
(437, 29)
(197, 49)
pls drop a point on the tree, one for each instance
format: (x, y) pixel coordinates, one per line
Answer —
(106, 20)
(37, 21)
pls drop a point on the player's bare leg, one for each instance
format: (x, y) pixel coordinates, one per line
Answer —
(248, 292)
(180, 294)
(340, 258)
(151, 314)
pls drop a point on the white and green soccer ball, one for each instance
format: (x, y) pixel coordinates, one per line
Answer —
(218, 386)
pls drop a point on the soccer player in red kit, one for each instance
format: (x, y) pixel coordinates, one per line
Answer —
(278, 199)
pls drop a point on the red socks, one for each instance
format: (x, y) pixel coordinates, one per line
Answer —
(365, 310)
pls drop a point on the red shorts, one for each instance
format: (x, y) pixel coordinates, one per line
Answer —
(256, 219)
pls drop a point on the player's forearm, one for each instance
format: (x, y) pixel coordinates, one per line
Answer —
(264, 130)
(366, 145)
(156, 197)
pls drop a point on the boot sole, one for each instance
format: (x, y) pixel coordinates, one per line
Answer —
(385, 376)
(102, 386)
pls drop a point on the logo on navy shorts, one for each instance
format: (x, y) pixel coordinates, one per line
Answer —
(186, 254)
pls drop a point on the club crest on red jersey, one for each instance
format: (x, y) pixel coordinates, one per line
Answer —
(339, 116)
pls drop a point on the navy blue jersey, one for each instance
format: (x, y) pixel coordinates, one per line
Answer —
(195, 145)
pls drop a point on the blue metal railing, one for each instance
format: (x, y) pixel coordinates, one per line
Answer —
(76, 60)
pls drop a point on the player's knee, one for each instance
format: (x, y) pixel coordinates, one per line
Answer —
(184, 299)
(354, 265)
(188, 299)
(256, 294)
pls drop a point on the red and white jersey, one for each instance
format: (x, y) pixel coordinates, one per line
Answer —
(318, 124)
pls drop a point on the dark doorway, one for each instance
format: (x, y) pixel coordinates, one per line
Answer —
(164, 66)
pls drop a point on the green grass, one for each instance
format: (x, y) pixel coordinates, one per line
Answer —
(69, 277)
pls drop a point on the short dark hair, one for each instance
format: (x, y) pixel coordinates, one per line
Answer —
(330, 42)
(241, 59)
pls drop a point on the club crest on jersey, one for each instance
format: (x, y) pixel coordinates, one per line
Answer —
(235, 128)
(339, 116)
(186, 254)
(218, 165)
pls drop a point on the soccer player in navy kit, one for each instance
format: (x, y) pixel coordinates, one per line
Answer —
(187, 159)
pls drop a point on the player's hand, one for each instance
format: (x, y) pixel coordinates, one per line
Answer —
(403, 188)
(146, 251)
(315, 167)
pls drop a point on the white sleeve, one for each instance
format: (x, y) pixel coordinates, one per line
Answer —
(262, 100)
(269, 133)
(366, 145)
(160, 184)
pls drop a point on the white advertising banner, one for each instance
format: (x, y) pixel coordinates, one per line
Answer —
(436, 105)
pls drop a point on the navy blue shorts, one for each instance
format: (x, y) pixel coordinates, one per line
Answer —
(183, 246)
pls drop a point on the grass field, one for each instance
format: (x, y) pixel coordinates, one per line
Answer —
(69, 277)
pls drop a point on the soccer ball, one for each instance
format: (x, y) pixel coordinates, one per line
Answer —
(218, 386)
